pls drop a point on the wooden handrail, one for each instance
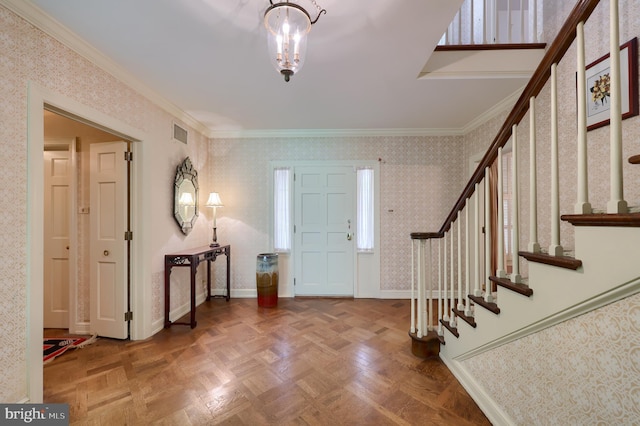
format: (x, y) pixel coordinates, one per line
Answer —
(554, 54)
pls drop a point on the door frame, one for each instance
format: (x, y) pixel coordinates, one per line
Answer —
(71, 144)
(366, 264)
(40, 98)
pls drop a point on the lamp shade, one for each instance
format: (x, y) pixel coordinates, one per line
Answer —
(186, 199)
(287, 27)
(214, 200)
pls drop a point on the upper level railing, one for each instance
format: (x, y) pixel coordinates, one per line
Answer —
(494, 22)
(554, 54)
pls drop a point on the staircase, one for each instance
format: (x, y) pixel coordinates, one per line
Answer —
(487, 310)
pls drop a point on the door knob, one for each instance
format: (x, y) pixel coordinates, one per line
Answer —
(106, 252)
(349, 236)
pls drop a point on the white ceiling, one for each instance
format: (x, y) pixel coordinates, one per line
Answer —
(364, 58)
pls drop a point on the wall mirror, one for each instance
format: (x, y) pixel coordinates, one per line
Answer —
(185, 196)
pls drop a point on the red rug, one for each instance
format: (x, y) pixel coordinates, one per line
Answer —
(56, 346)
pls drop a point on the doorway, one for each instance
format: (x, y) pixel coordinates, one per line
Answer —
(75, 275)
(40, 98)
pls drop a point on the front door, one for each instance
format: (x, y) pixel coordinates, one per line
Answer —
(324, 223)
(108, 246)
(57, 202)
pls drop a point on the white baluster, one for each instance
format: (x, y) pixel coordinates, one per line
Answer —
(494, 36)
(460, 26)
(420, 331)
(460, 304)
(445, 267)
(440, 299)
(509, 25)
(500, 225)
(533, 12)
(476, 288)
(582, 204)
(616, 203)
(467, 256)
(515, 210)
(484, 22)
(555, 249)
(452, 317)
(488, 297)
(534, 246)
(413, 285)
(472, 23)
(429, 310)
(522, 39)
(423, 324)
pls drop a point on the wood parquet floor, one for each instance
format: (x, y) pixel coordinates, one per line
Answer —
(306, 362)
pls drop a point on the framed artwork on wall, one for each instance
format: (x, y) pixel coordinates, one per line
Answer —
(598, 86)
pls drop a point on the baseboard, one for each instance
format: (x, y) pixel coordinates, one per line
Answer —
(488, 406)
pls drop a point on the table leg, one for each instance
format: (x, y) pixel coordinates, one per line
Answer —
(208, 279)
(194, 266)
(167, 294)
(228, 256)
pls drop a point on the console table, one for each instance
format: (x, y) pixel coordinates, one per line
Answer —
(192, 258)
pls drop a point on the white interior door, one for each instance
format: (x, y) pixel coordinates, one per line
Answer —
(324, 223)
(57, 202)
(108, 218)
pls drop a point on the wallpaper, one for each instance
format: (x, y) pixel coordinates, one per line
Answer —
(584, 371)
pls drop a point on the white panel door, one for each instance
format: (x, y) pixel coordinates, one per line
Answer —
(324, 247)
(108, 217)
(57, 201)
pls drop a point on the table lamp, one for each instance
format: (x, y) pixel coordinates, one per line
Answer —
(214, 202)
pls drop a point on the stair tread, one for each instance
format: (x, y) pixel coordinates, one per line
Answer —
(469, 320)
(478, 300)
(560, 261)
(508, 284)
(603, 219)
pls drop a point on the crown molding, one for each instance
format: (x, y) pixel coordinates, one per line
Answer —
(331, 133)
(44, 22)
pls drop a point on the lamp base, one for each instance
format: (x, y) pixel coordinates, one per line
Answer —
(215, 238)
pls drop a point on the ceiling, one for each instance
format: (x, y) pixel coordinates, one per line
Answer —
(362, 73)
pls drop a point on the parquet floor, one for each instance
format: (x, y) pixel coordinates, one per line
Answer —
(306, 362)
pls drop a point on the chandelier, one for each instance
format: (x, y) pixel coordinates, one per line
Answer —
(287, 26)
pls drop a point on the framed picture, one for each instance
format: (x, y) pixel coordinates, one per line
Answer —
(597, 86)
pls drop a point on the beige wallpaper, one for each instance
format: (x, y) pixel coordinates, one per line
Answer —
(584, 371)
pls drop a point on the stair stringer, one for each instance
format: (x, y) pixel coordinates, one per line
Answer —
(610, 271)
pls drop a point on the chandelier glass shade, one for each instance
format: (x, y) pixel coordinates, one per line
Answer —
(288, 25)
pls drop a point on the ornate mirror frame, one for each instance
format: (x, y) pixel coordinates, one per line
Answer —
(185, 196)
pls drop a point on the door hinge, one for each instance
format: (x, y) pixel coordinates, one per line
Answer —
(294, 229)
(128, 316)
(294, 282)
(128, 235)
(128, 156)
